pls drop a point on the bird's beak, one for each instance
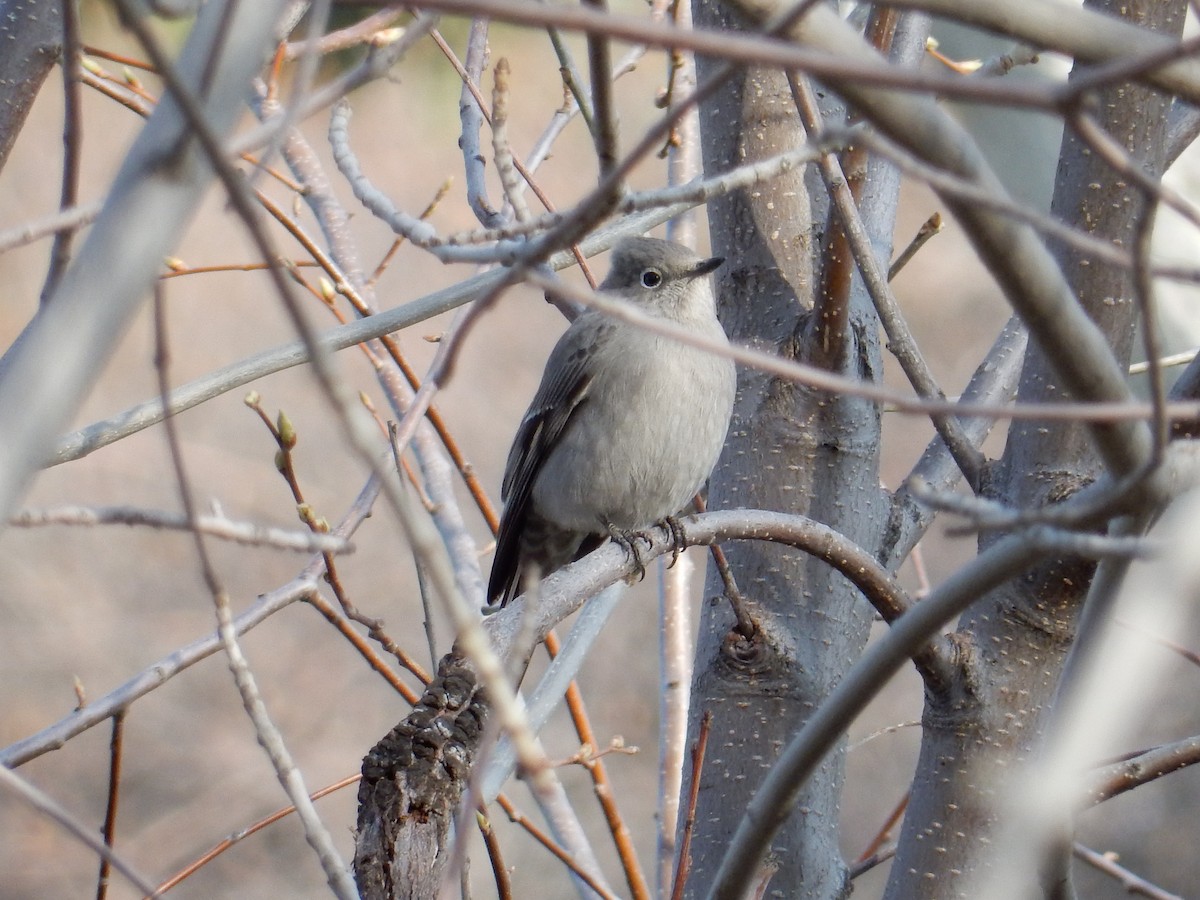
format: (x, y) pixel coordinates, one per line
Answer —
(709, 265)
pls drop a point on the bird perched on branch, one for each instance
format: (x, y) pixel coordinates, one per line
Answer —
(626, 425)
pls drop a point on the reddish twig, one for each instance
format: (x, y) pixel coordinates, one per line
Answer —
(689, 822)
(179, 269)
(1190, 655)
(60, 252)
(746, 626)
(342, 624)
(115, 753)
(519, 818)
(399, 242)
(885, 831)
(285, 439)
(238, 836)
(118, 58)
(492, 844)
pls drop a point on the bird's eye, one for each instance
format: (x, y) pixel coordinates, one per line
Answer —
(651, 278)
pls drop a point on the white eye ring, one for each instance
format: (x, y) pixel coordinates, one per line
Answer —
(651, 278)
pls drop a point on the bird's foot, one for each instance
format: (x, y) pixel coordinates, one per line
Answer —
(678, 537)
(628, 542)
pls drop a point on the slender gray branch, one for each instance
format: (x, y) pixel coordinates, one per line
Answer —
(471, 116)
(1082, 33)
(162, 671)
(19, 235)
(46, 805)
(217, 526)
(136, 418)
(152, 677)
(46, 374)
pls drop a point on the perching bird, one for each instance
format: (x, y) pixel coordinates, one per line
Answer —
(626, 425)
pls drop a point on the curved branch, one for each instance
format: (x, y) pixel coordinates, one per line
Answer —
(1119, 777)
(565, 591)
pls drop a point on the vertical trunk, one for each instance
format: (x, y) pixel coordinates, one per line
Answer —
(1015, 641)
(791, 449)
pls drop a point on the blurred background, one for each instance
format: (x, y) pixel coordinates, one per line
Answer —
(85, 609)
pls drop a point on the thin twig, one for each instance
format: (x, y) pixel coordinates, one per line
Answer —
(929, 228)
(689, 823)
(885, 831)
(550, 844)
(238, 836)
(361, 32)
(604, 119)
(326, 609)
(1133, 884)
(115, 755)
(501, 150)
(60, 252)
(215, 525)
(85, 834)
(1190, 655)
(63, 219)
(495, 856)
(862, 866)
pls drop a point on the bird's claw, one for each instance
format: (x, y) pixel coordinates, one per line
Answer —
(627, 540)
(678, 537)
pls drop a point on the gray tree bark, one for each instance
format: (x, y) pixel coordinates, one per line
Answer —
(31, 42)
(791, 449)
(412, 785)
(1014, 643)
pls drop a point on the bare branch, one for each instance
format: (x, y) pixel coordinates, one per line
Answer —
(237, 374)
(85, 834)
(216, 525)
(1133, 884)
(95, 301)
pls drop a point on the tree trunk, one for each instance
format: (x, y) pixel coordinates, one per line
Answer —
(795, 450)
(1016, 640)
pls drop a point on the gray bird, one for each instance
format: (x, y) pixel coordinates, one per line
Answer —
(626, 425)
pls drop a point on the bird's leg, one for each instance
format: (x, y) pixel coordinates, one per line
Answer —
(627, 541)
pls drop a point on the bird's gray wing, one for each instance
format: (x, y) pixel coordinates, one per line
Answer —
(564, 388)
